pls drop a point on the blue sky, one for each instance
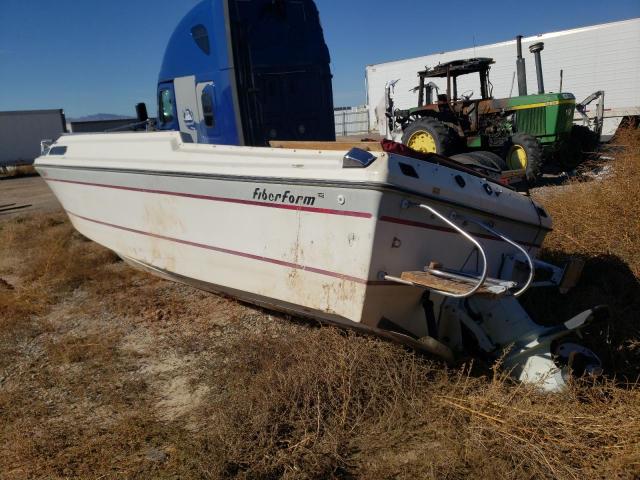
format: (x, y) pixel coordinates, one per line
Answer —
(89, 56)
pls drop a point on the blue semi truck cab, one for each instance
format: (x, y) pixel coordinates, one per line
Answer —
(244, 72)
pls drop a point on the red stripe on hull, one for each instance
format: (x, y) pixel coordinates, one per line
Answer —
(251, 256)
(384, 218)
(326, 211)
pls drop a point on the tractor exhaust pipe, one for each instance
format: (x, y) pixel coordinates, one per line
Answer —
(520, 67)
(536, 48)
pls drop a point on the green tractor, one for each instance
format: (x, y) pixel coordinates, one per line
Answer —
(523, 132)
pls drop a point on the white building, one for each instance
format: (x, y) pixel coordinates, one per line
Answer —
(22, 131)
(600, 57)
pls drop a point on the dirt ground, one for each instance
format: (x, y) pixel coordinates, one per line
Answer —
(106, 372)
(26, 195)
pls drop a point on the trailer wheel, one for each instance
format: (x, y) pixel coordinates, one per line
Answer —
(428, 135)
(523, 151)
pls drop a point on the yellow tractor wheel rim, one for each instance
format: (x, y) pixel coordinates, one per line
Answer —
(422, 141)
(517, 158)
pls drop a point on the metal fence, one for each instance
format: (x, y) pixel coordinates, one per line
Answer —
(351, 120)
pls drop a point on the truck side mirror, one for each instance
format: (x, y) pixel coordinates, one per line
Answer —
(141, 112)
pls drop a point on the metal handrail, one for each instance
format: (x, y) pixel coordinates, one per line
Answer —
(462, 232)
(532, 269)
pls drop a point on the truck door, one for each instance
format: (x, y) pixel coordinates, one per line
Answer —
(187, 107)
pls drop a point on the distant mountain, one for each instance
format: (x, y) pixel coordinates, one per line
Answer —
(98, 117)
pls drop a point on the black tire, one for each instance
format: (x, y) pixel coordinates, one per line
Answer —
(466, 159)
(534, 155)
(491, 159)
(444, 138)
(573, 150)
(481, 159)
(585, 140)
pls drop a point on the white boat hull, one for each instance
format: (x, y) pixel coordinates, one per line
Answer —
(293, 230)
(320, 245)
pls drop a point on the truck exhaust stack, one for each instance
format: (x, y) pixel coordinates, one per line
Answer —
(520, 66)
(536, 48)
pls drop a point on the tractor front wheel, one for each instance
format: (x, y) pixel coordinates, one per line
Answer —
(428, 135)
(523, 151)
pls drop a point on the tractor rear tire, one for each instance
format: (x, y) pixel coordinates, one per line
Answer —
(523, 151)
(429, 135)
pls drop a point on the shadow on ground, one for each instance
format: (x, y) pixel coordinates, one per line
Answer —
(606, 280)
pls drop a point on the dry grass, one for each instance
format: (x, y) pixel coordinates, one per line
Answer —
(47, 259)
(109, 373)
(325, 404)
(599, 221)
(602, 217)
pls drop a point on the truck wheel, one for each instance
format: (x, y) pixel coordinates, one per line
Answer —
(428, 135)
(523, 151)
